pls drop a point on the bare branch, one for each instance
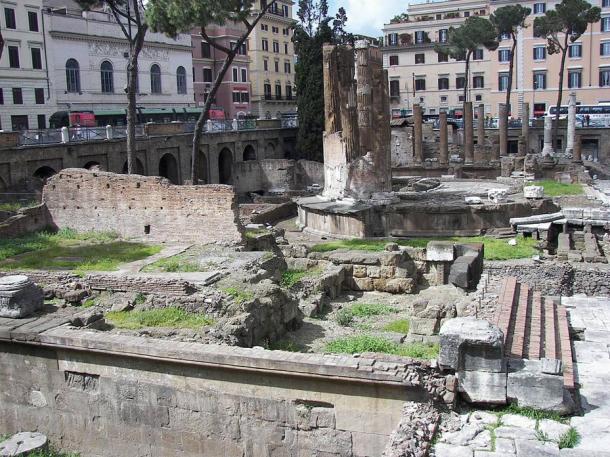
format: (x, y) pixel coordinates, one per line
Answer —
(118, 19)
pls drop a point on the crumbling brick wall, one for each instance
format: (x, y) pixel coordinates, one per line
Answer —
(142, 206)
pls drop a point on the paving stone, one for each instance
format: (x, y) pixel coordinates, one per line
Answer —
(595, 433)
(582, 453)
(481, 442)
(516, 420)
(449, 450)
(515, 433)
(505, 446)
(464, 436)
(552, 429)
(536, 449)
(490, 454)
(483, 417)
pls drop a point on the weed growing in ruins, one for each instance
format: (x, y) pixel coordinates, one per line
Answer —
(16, 206)
(542, 436)
(292, 277)
(88, 303)
(368, 343)
(569, 439)
(175, 264)
(532, 413)
(255, 233)
(345, 317)
(163, 317)
(398, 326)
(556, 189)
(240, 296)
(140, 299)
(492, 431)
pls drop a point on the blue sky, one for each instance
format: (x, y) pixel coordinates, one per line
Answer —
(368, 16)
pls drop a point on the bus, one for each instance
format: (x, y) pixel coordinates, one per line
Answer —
(595, 112)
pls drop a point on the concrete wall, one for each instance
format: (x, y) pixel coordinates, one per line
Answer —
(18, 165)
(138, 206)
(114, 395)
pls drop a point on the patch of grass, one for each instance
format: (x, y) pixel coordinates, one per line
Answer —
(52, 453)
(368, 343)
(495, 249)
(13, 207)
(292, 277)
(285, 345)
(556, 189)
(532, 413)
(542, 436)
(255, 233)
(398, 326)
(492, 431)
(69, 250)
(174, 264)
(163, 317)
(140, 299)
(240, 296)
(88, 303)
(345, 317)
(569, 439)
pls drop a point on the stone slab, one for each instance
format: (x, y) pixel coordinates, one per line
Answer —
(483, 387)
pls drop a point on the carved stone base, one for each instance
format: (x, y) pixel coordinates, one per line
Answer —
(19, 297)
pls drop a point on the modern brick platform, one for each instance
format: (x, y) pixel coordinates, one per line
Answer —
(534, 327)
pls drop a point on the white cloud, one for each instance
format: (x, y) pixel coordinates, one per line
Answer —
(368, 16)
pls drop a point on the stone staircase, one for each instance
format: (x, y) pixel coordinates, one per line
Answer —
(534, 327)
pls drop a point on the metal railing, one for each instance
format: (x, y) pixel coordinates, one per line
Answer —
(48, 136)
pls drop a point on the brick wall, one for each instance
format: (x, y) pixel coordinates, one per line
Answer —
(25, 221)
(140, 206)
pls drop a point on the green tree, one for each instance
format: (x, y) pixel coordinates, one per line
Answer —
(341, 35)
(179, 16)
(129, 14)
(561, 26)
(508, 20)
(462, 42)
(400, 18)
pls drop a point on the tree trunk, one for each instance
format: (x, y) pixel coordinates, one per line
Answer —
(511, 65)
(132, 83)
(203, 117)
(564, 53)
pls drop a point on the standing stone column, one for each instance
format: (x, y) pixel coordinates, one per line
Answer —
(547, 150)
(577, 155)
(418, 151)
(525, 127)
(468, 133)
(571, 124)
(444, 147)
(503, 129)
(481, 126)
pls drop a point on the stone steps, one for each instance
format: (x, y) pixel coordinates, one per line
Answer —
(534, 327)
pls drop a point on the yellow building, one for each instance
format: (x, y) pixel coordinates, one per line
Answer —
(272, 61)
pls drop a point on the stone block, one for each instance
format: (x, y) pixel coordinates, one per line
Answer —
(473, 200)
(551, 366)
(19, 297)
(440, 251)
(459, 335)
(536, 449)
(423, 326)
(373, 272)
(363, 284)
(387, 272)
(531, 388)
(359, 271)
(483, 387)
(400, 286)
(533, 192)
(463, 272)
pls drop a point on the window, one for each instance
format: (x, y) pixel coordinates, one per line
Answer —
(265, 64)
(244, 75)
(420, 84)
(503, 82)
(33, 21)
(539, 80)
(443, 99)
(605, 3)
(72, 76)
(478, 98)
(420, 58)
(17, 96)
(574, 79)
(245, 97)
(285, 48)
(19, 123)
(1, 96)
(477, 54)
(278, 92)
(393, 61)
(207, 75)
(466, 13)
(443, 35)
(36, 59)
(539, 8)
(461, 98)
(478, 82)
(393, 39)
(235, 75)
(107, 78)
(9, 18)
(505, 36)
(539, 53)
(394, 88)
(604, 48)
(575, 50)
(276, 47)
(460, 82)
(285, 11)
(443, 83)
(155, 79)
(206, 50)
(275, 29)
(13, 56)
(287, 67)
(504, 55)
(267, 91)
(42, 121)
(265, 45)
(243, 49)
(604, 77)
(420, 37)
(606, 24)
(277, 66)
(39, 96)
(442, 57)
(265, 27)
(181, 80)
(236, 97)
(288, 92)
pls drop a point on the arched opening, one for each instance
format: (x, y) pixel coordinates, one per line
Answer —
(270, 151)
(72, 76)
(93, 165)
(138, 167)
(155, 79)
(41, 175)
(225, 167)
(181, 80)
(203, 168)
(107, 77)
(249, 153)
(168, 168)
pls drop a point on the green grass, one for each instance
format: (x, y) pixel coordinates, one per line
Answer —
(163, 317)
(16, 206)
(52, 453)
(532, 413)
(492, 431)
(495, 249)
(368, 343)
(292, 277)
(69, 250)
(240, 296)
(569, 439)
(345, 317)
(175, 264)
(88, 303)
(255, 233)
(557, 189)
(398, 326)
